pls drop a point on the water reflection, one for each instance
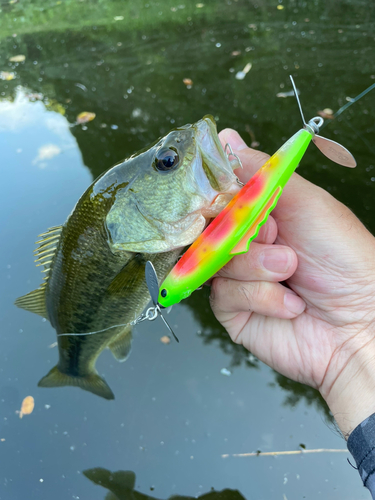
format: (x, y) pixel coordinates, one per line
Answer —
(213, 332)
(121, 487)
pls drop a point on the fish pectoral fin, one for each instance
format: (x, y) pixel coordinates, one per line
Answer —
(121, 346)
(132, 272)
(91, 383)
(34, 301)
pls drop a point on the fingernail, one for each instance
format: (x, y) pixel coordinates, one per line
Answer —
(277, 260)
(293, 303)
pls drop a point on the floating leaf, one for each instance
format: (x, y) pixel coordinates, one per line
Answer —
(165, 339)
(5, 75)
(241, 74)
(290, 93)
(326, 113)
(27, 406)
(280, 7)
(188, 82)
(85, 117)
(19, 58)
(53, 105)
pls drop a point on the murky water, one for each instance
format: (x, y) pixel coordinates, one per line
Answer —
(176, 410)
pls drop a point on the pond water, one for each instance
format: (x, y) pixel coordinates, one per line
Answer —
(176, 412)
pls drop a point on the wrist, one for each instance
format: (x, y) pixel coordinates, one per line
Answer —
(351, 397)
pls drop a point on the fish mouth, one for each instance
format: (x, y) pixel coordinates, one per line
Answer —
(217, 181)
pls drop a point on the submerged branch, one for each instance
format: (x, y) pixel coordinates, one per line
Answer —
(276, 453)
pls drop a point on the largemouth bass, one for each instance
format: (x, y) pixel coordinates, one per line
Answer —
(148, 207)
(121, 486)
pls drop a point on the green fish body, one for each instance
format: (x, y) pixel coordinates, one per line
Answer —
(148, 207)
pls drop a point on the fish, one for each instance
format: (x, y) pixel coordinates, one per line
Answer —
(145, 208)
(121, 486)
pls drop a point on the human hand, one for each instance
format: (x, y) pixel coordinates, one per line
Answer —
(323, 333)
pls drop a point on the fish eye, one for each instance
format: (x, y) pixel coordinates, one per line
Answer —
(166, 159)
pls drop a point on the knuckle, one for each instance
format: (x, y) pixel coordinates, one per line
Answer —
(215, 296)
(227, 270)
(261, 292)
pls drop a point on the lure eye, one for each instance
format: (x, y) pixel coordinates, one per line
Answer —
(166, 159)
(163, 293)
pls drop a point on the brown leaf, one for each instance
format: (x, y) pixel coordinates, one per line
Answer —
(85, 117)
(27, 406)
(326, 113)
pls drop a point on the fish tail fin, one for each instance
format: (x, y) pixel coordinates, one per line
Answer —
(92, 382)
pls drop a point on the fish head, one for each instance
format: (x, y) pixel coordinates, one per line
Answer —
(167, 193)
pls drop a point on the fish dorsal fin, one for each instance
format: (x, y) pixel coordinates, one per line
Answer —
(35, 301)
(47, 246)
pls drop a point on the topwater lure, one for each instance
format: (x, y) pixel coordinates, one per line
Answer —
(232, 231)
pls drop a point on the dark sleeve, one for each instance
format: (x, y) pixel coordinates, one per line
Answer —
(361, 444)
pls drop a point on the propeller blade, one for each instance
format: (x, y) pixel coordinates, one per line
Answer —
(152, 282)
(334, 151)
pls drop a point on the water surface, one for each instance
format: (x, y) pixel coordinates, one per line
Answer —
(175, 413)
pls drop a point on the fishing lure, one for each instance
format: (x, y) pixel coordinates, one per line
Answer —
(232, 231)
